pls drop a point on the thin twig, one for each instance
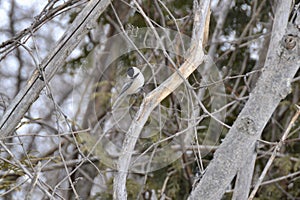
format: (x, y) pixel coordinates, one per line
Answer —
(276, 150)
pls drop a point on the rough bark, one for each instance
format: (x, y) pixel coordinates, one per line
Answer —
(245, 174)
(274, 84)
(244, 178)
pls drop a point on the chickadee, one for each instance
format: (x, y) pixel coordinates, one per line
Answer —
(133, 85)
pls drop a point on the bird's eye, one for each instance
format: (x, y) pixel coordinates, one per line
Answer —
(130, 72)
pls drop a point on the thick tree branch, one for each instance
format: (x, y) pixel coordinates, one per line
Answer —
(51, 64)
(245, 174)
(195, 58)
(274, 84)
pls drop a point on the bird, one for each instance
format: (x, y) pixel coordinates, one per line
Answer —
(134, 84)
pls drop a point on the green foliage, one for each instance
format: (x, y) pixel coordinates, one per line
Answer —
(10, 175)
(11, 172)
(133, 188)
(270, 192)
(293, 187)
(177, 187)
(297, 166)
(137, 20)
(284, 165)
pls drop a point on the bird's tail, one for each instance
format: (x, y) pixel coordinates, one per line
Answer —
(118, 102)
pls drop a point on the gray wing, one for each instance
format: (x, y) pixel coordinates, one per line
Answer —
(126, 86)
(124, 89)
(121, 95)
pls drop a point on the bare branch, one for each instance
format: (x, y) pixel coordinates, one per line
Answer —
(194, 59)
(273, 85)
(77, 30)
(276, 150)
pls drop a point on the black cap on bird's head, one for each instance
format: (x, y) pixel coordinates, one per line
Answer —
(130, 72)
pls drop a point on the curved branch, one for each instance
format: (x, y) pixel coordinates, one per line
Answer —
(195, 58)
